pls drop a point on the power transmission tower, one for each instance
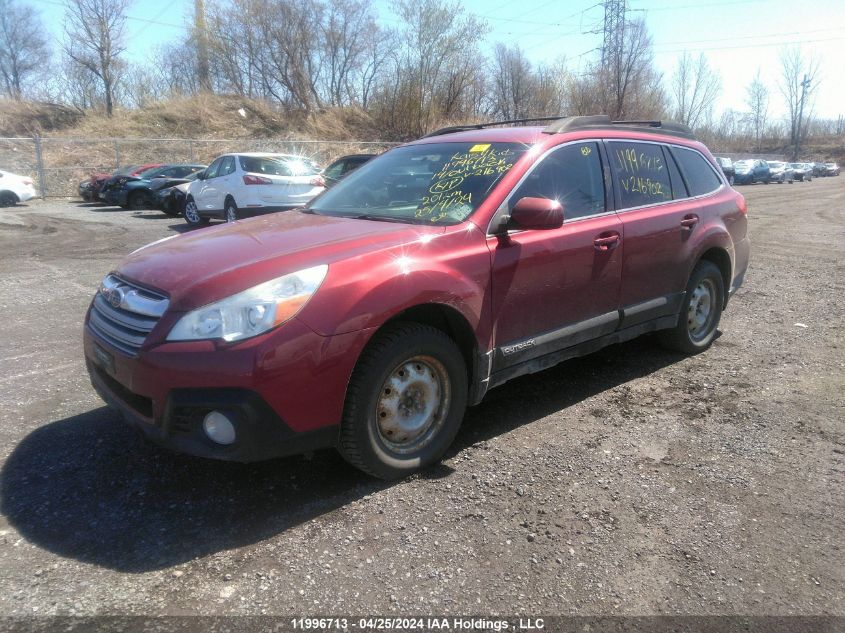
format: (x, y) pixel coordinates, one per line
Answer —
(201, 35)
(613, 31)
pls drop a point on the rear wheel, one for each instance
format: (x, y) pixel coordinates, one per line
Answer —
(405, 402)
(231, 210)
(700, 311)
(192, 214)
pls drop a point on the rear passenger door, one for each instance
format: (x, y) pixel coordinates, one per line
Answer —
(658, 217)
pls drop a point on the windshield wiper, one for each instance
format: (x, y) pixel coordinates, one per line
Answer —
(381, 218)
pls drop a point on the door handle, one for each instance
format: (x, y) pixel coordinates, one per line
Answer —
(607, 242)
(689, 221)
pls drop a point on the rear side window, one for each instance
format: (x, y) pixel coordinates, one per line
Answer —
(571, 175)
(640, 172)
(272, 166)
(697, 171)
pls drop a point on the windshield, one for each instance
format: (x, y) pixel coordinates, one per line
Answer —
(439, 183)
(776, 165)
(742, 163)
(150, 173)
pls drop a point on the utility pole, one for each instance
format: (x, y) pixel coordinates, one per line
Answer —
(201, 34)
(797, 147)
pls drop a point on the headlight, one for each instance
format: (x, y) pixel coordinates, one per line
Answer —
(252, 311)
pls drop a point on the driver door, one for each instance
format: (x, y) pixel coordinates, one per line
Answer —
(556, 288)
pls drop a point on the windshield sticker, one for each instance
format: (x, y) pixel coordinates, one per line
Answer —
(479, 148)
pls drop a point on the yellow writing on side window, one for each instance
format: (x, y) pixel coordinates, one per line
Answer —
(480, 148)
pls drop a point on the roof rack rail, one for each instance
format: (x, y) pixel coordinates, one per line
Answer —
(575, 123)
(480, 126)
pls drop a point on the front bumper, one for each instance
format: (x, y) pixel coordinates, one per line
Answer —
(260, 432)
(286, 389)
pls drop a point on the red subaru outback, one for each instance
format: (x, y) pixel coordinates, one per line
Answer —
(370, 319)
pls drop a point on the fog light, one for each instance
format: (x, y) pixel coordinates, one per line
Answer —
(219, 428)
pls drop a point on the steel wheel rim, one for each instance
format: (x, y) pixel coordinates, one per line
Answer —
(413, 404)
(191, 212)
(701, 310)
(231, 213)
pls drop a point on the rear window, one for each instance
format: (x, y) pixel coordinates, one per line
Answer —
(698, 173)
(278, 166)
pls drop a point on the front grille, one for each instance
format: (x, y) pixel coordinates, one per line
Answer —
(123, 314)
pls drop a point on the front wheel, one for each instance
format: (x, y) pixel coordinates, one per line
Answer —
(137, 201)
(8, 199)
(701, 311)
(192, 214)
(405, 402)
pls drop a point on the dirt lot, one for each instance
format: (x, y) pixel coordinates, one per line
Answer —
(630, 482)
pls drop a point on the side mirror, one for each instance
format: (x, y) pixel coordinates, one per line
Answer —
(201, 175)
(537, 213)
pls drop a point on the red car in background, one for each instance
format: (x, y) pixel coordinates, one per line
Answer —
(89, 190)
(370, 319)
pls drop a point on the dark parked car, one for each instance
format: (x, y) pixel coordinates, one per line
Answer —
(170, 196)
(135, 191)
(343, 166)
(831, 169)
(727, 166)
(780, 172)
(372, 317)
(751, 170)
(819, 169)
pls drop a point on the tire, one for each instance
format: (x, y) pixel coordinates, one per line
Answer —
(8, 199)
(230, 211)
(429, 369)
(137, 201)
(696, 330)
(191, 214)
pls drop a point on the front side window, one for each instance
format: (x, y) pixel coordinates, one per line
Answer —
(640, 172)
(571, 175)
(697, 172)
(430, 183)
(211, 172)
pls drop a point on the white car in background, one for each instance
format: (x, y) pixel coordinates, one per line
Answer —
(239, 185)
(14, 189)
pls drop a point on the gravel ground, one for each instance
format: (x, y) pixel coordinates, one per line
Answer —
(630, 482)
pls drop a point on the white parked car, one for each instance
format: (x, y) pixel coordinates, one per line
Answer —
(14, 189)
(239, 185)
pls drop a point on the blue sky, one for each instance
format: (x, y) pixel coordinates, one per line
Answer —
(738, 37)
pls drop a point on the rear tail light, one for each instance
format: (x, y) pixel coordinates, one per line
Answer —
(317, 181)
(257, 180)
(742, 204)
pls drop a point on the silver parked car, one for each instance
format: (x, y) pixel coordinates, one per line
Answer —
(781, 172)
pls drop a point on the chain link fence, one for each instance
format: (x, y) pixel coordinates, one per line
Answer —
(58, 165)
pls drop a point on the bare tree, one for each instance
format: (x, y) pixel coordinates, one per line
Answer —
(94, 39)
(695, 87)
(512, 82)
(626, 85)
(437, 37)
(23, 47)
(757, 100)
(799, 80)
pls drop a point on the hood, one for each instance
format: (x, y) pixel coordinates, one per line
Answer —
(208, 264)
